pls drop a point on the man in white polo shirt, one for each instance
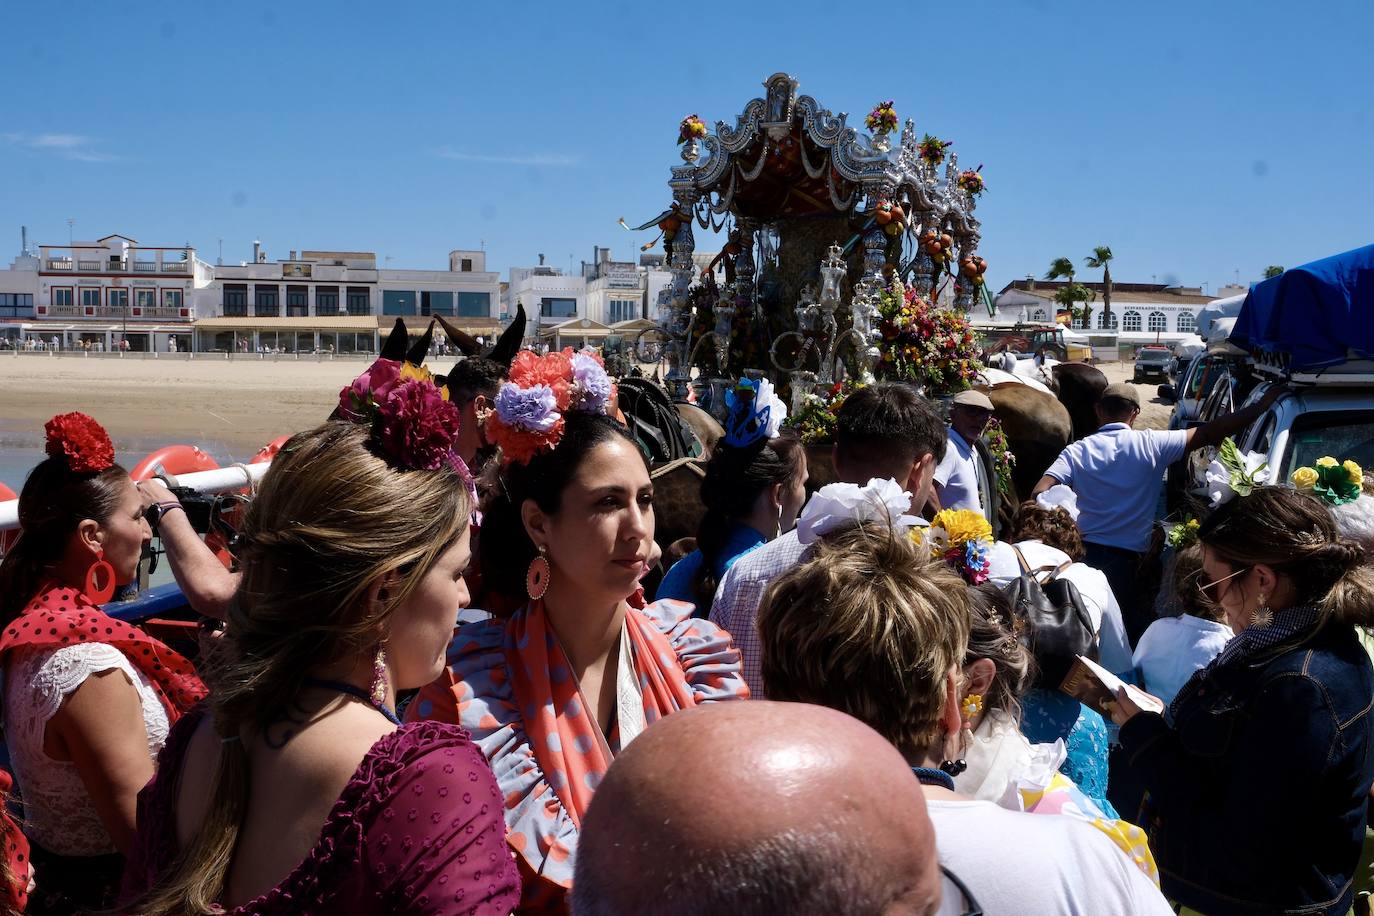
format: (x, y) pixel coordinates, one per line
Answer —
(1118, 473)
(960, 479)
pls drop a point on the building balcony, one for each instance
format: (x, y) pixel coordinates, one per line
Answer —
(175, 267)
(60, 264)
(107, 312)
(145, 267)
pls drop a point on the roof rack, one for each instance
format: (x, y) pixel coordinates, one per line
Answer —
(1278, 366)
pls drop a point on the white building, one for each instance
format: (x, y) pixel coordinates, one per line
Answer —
(1141, 312)
(608, 297)
(339, 301)
(102, 292)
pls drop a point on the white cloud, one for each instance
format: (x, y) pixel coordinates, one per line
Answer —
(76, 147)
(550, 159)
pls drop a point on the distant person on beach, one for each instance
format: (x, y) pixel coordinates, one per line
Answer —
(88, 699)
(676, 832)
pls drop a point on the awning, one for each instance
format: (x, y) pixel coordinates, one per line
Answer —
(356, 323)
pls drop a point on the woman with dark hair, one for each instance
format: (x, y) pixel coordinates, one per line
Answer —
(754, 487)
(1259, 777)
(552, 692)
(298, 790)
(88, 699)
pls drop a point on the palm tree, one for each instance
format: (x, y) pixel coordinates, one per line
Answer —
(1062, 268)
(1101, 257)
(1273, 270)
(1070, 295)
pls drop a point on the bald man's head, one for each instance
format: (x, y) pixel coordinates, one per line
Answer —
(757, 807)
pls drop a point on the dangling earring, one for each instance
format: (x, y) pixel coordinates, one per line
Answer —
(538, 575)
(777, 527)
(379, 678)
(957, 765)
(1263, 616)
(95, 591)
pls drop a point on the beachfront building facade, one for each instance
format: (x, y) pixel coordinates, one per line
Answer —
(1141, 312)
(108, 294)
(339, 302)
(606, 298)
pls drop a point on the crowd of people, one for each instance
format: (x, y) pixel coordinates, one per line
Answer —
(434, 678)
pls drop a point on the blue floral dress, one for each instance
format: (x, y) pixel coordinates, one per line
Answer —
(1047, 715)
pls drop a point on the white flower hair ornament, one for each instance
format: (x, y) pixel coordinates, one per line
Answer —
(839, 504)
(1234, 473)
(754, 411)
(1059, 497)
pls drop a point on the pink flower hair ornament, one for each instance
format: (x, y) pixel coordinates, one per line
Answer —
(413, 425)
(530, 408)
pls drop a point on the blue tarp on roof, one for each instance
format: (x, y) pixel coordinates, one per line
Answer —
(1319, 314)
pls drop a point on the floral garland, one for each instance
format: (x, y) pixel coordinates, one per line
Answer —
(971, 180)
(882, 119)
(924, 344)
(1003, 460)
(528, 418)
(815, 421)
(748, 345)
(962, 538)
(691, 128)
(80, 441)
(413, 424)
(932, 150)
(1334, 483)
(1233, 473)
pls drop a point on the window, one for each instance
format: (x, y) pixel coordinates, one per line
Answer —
(558, 308)
(1130, 321)
(436, 303)
(326, 300)
(265, 302)
(359, 301)
(1187, 322)
(466, 266)
(62, 295)
(16, 305)
(236, 300)
(1157, 322)
(90, 296)
(171, 298)
(621, 310)
(1107, 321)
(1040, 315)
(474, 305)
(398, 302)
(145, 298)
(1080, 322)
(117, 297)
(297, 302)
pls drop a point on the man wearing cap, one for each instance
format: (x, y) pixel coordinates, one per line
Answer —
(1118, 473)
(961, 480)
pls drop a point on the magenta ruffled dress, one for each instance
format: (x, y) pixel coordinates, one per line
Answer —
(417, 830)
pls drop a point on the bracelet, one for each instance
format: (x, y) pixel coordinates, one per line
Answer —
(169, 506)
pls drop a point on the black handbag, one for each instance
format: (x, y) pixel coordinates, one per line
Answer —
(1056, 626)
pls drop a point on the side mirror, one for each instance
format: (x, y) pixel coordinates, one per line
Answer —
(1167, 394)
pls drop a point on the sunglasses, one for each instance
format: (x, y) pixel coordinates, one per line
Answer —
(1208, 588)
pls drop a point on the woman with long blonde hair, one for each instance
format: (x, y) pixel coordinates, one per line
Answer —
(299, 790)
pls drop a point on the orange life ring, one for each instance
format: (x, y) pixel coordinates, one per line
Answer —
(173, 459)
(269, 451)
(7, 538)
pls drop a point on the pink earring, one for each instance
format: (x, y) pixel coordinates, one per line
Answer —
(538, 575)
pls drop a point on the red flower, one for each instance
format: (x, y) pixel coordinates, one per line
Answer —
(81, 441)
(356, 401)
(517, 444)
(552, 369)
(416, 427)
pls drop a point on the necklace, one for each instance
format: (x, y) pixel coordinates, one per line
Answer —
(929, 776)
(341, 687)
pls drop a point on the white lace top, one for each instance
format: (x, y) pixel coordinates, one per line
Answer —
(59, 813)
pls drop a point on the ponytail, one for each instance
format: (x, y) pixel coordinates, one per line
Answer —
(735, 478)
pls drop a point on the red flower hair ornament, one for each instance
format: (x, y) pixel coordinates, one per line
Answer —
(413, 424)
(80, 441)
(528, 418)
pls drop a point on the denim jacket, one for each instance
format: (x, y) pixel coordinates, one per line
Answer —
(1258, 787)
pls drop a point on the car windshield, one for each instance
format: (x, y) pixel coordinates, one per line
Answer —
(1341, 434)
(1154, 356)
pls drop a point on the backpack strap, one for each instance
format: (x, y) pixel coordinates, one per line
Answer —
(1021, 559)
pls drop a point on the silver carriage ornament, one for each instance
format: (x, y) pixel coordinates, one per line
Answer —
(811, 203)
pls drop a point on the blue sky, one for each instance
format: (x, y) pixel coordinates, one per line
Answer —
(1198, 139)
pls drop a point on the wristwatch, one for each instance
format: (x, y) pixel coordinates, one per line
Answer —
(155, 512)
